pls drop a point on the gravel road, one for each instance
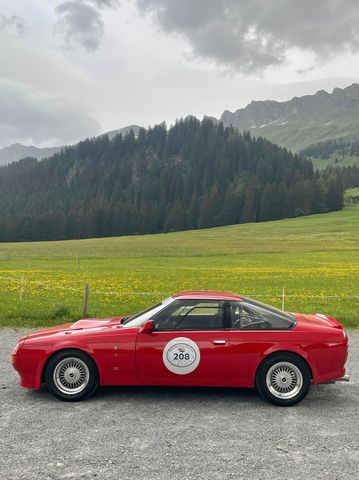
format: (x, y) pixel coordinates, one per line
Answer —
(178, 433)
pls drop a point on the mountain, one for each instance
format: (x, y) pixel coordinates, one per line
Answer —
(302, 124)
(123, 131)
(17, 151)
(302, 121)
(194, 175)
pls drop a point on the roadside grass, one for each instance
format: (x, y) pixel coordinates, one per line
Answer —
(315, 259)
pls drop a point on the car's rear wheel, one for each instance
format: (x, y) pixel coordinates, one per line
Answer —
(283, 379)
(71, 375)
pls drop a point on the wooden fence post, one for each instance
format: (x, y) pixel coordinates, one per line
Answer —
(86, 299)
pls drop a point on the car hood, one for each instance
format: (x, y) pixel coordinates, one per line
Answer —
(84, 324)
(318, 320)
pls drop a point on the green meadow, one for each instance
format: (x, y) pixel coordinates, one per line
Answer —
(315, 259)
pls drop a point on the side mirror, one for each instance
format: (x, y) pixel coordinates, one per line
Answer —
(148, 327)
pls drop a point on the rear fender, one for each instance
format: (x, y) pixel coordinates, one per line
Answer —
(290, 348)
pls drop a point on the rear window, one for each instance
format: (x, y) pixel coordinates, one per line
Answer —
(252, 315)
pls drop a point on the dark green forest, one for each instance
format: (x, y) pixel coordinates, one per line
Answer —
(192, 175)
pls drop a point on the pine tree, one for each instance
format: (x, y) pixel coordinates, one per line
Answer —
(250, 207)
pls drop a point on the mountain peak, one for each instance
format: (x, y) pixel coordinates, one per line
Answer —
(123, 130)
(322, 93)
(352, 90)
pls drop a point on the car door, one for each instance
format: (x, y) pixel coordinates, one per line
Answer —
(188, 346)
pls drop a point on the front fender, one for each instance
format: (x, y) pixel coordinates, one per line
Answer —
(32, 359)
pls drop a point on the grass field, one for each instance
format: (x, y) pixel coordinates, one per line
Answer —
(312, 258)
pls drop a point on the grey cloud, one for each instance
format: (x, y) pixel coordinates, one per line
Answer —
(250, 35)
(303, 71)
(105, 3)
(81, 24)
(30, 116)
(12, 21)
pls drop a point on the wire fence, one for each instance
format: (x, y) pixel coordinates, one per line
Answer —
(84, 292)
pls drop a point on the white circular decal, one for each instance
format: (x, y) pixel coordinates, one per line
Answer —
(181, 355)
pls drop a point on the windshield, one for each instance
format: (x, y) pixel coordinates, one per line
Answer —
(140, 318)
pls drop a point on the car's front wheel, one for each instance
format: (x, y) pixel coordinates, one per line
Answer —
(71, 375)
(283, 379)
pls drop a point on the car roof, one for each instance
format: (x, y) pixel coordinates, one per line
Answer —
(207, 294)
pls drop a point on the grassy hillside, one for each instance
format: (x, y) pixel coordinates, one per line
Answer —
(339, 152)
(311, 257)
(335, 160)
(299, 134)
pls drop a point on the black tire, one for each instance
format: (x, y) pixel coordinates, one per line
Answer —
(283, 379)
(71, 375)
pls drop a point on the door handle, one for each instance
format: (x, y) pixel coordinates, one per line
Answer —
(219, 342)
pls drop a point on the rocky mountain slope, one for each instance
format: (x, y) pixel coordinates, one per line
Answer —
(302, 121)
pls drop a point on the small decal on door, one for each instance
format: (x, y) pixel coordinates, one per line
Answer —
(181, 355)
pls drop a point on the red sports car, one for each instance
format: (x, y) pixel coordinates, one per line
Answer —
(195, 338)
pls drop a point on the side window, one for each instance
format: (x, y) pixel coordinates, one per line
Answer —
(251, 315)
(203, 316)
(191, 315)
(168, 318)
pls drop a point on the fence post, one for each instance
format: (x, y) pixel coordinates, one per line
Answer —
(86, 299)
(283, 299)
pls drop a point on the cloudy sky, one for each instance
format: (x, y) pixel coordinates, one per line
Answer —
(75, 68)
